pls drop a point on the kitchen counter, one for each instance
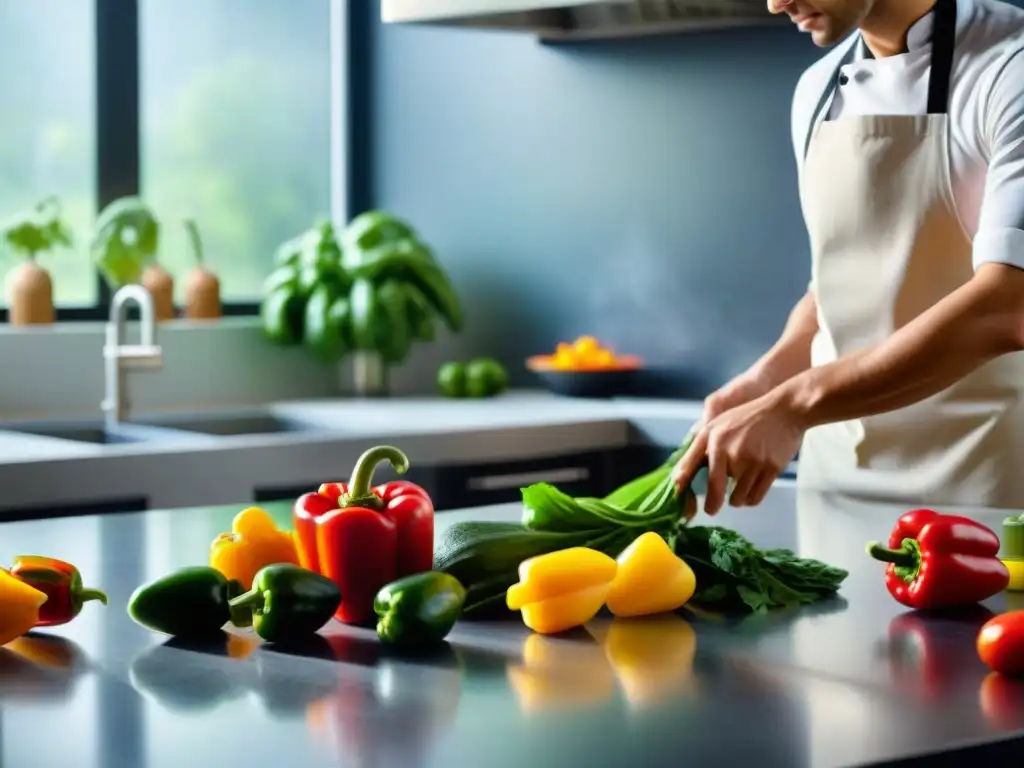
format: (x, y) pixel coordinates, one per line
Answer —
(850, 682)
(42, 473)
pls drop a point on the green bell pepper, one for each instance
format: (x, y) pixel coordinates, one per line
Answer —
(373, 228)
(326, 331)
(419, 610)
(191, 602)
(289, 603)
(283, 308)
(309, 272)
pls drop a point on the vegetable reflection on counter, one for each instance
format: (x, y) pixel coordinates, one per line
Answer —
(190, 602)
(363, 538)
(288, 603)
(40, 668)
(731, 573)
(922, 661)
(649, 659)
(390, 700)
(556, 674)
(254, 542)
(941, 561)
(211, 677)
(1001, 700)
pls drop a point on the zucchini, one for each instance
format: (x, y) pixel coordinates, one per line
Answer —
(485, 556)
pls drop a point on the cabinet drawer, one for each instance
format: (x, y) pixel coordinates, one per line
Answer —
(499, 483)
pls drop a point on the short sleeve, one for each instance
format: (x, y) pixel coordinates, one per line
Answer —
(1000, 235)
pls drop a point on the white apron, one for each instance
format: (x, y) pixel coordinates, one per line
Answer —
(886, 245)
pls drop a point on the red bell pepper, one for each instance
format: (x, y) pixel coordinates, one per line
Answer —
(60, 582)
(363, 538)
(941, 561)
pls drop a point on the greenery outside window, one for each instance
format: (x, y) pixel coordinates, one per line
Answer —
(217, 111)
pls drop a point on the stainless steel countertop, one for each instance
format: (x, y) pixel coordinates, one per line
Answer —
(846, 683)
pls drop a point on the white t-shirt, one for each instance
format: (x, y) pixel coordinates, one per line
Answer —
(986, 112)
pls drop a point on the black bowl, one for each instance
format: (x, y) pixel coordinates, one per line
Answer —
(604, 382)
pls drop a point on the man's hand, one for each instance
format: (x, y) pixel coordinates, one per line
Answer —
(751, 444)
(746, 387)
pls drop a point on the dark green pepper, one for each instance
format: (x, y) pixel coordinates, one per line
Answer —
(419, 610)
(191, 602)
(421, 319)
(289, 603)
(326, 331)
(373, 228)
(397, 335)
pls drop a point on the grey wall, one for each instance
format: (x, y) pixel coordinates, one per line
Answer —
(644, 191)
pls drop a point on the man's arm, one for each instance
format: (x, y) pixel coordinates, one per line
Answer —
(791, 354)
(981, 321)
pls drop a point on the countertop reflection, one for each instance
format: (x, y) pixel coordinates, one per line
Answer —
(848, 682)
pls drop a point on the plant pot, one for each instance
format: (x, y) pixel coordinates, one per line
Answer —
(369, 375)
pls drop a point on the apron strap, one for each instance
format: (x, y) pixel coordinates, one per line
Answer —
(939, 78)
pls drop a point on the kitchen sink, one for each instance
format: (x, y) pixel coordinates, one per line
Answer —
(97, 434)
(233, 425)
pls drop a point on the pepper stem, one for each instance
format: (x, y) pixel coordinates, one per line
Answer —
(254, 599)
(904, 557)
(360, 492)
(92, 594)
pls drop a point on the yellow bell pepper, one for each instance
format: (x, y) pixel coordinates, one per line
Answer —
(652, 657)
(19, 607)
(561, 590)
(253, 543)
(650, 579)
(556, 674)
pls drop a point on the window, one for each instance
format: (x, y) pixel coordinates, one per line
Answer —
(235, 101)
(219, 111)
(47, 140)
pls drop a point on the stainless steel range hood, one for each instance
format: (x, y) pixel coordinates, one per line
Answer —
(566, 20)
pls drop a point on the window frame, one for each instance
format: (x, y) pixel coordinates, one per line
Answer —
(118, 125)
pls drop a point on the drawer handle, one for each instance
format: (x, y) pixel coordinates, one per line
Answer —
(501, 482)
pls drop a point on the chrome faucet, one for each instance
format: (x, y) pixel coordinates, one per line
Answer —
(120, 358)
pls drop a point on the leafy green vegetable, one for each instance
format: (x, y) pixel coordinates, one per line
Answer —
(732, 573)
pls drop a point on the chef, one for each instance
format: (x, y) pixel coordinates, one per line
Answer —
(900, 374)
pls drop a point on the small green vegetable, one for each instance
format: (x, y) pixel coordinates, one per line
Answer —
(419, 610)
(289, 603)
(451, 380)
(191, 602)
(485, 377)
(482, 377)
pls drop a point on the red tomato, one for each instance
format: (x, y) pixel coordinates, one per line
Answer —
(1001, 643)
